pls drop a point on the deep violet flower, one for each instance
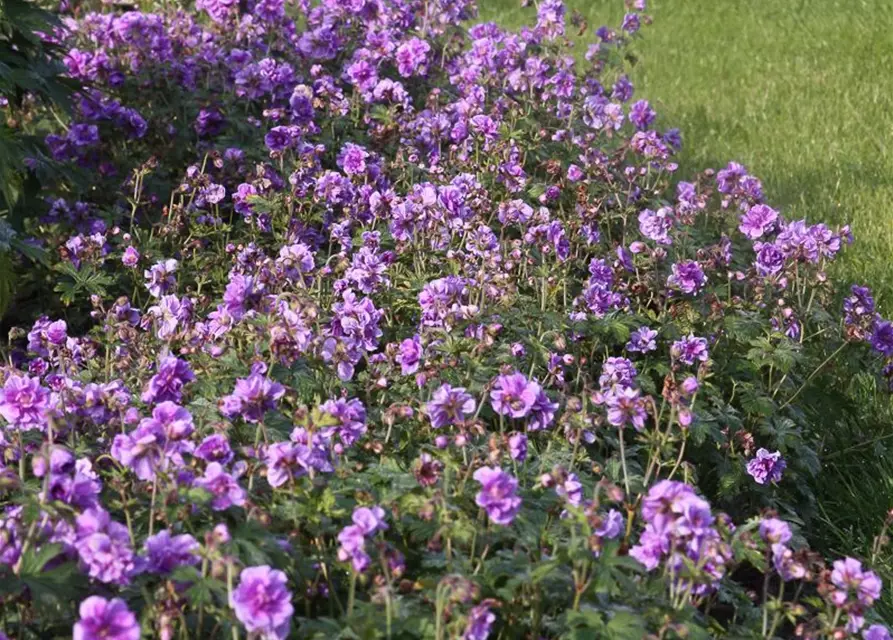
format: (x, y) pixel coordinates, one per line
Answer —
(766, 466)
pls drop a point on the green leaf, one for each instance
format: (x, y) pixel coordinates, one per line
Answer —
(625, 625)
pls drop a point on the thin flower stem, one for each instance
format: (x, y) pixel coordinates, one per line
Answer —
(623, 463)
(351, 594)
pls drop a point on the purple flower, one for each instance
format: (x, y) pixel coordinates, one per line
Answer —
(687, 277)
(370, 520)
(759, 220)
(617, 372)
(173, 374)
(859, 308)
(172, 420)
(160, 278)
(450, 405)
(241, 198)
(278, 139)
(631, 23)
(24, 403)
(657, 225)
(642, 340)
(571, 490)
(214, 448)
(641, 114)
(103, 547)
(165, 552)
(209, 122)
(770, 259)
(443, 301)
(876, 632)
(881, 341)
(57, 332)
(252, 398)
(497, 495)
(518, 447)
(352, 159)
(262, 602)
(689, 350)
(156, 442)
(543, 412)
(286, 460)
(625, 406)
(513, 395)
(480, 621)
(612, 526)
(295, 260)
(169, 314)
(224, 489)
(679, 531)
(410, 355)
(412, 57)
(766, 467)
(352, 543)
(550, 18)
(103, 619)
(350, 419)
(849, 577)
(775, 531)
(131, 257)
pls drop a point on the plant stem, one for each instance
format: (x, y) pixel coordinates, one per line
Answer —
(623, 463)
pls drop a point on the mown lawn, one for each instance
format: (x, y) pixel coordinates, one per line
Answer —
(802, 94)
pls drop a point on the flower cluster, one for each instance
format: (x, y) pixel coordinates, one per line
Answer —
(369, 320)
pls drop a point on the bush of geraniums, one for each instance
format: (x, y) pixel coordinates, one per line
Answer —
(371, 323)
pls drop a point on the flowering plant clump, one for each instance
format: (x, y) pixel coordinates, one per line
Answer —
(370, 321)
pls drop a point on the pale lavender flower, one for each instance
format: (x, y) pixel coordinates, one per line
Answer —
(450, 405)
(160, 278)
(759, 220)
(513, 395)
(849, 577)
(518, 447)
(571, 490)
(103, 547)
(497, 495)
(689, 350)
(657, 225)
(262, 602)
(412, 57)
(252, 398)
(223, 487)
(410, 355)
(642, 340)
(612, 526)
(876, 632)
(369, 519)
(24, 403)
(480, 621)
(775, 531)
(625, 406)
(687, 277)
(165, 552)
(102, 619)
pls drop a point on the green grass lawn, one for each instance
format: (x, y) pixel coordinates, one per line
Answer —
(802, 94)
